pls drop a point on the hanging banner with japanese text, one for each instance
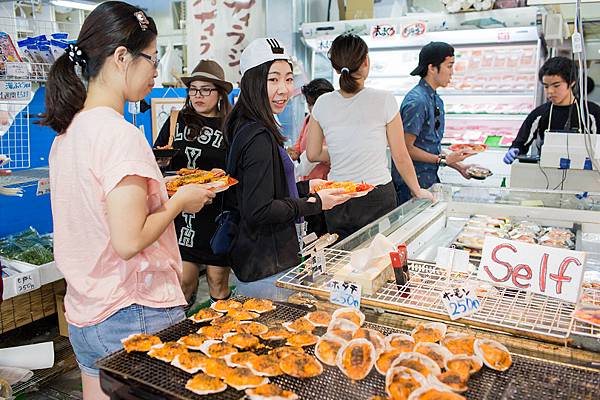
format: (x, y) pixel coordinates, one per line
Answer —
(220, 29)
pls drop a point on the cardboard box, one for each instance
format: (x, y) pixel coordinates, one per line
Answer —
(355, 9)
(63, 328)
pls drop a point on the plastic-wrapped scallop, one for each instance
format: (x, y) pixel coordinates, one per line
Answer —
(356, 358)
(419, 362)
(386, 359)
(452, 380)
(459, 343)
(351, 314)
(373, 336)
(431, 332)
(436, 352)
(342, 328)
(400, 382)
(434, 392)
(464, 364)
(327, 349)
(493, 354)
(400, 341)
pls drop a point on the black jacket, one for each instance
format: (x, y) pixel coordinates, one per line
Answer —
(267, 242)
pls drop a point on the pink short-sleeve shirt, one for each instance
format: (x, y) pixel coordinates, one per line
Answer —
(95, 153)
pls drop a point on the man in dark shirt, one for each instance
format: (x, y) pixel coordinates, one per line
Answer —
(560, 113)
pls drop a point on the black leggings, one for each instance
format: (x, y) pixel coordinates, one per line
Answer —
(354, 214)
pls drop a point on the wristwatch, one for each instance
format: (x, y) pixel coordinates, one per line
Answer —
(441, 160)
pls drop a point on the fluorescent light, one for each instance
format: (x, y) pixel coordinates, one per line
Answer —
(74, 4)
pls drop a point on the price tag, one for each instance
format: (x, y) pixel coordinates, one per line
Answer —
(460, 302)
(43, 187)
(15, 90)
(319, 263)
(345, 293)
(17, 69)
(27, 282)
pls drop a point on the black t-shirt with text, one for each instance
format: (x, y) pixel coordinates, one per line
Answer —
(206, 151)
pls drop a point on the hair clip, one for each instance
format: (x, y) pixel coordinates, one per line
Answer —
(76, 55)
(345, 69)
(142, 20)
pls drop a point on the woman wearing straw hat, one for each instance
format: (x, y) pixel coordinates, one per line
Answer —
(197, 132)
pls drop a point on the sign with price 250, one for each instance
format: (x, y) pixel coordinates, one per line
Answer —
(345, 293)
(460, 302)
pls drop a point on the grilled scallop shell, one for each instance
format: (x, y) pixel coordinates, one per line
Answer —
(419, 362)
(327, 349)
(493, 354)
(402, 373)
(356, 358)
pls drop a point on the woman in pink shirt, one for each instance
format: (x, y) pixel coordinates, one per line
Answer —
(114, 239)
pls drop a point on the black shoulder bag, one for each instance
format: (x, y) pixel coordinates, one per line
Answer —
(228, 220)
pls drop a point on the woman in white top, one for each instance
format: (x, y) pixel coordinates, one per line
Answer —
(358, 124)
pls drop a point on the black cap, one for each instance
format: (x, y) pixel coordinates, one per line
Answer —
(433, 53)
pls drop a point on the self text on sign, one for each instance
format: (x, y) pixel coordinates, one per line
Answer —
(539, 269)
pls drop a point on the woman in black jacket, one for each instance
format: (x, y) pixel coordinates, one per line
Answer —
(270, 203)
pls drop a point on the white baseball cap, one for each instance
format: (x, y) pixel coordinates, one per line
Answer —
(260, 51)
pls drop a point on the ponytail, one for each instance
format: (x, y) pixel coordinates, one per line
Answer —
(65, 94)
(347, 54)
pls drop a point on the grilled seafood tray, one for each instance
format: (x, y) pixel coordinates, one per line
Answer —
(527, 378)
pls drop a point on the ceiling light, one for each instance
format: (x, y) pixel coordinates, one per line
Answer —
(75, 4)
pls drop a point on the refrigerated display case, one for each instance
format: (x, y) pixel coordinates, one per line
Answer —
(425, 227)
(494, 86)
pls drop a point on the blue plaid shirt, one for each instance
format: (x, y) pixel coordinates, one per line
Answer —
(418, 111)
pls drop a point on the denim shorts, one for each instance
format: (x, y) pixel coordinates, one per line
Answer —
(93, 342)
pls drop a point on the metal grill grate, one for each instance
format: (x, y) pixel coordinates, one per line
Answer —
(527, 379)
(509, 309)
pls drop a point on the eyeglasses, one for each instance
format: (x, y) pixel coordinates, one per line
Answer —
(437, 114)
(154, 60)
(204, 92)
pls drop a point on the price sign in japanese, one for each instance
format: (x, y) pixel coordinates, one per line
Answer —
(43, 187)
(19, 69)
(460, 302)
(15, 90)
(539, 269)
(318, 263)
(27, 282)
(383, 31)
(344, 293)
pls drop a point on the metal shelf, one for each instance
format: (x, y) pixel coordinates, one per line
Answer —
(505, 309)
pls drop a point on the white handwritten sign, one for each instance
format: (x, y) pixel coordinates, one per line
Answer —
(15, 90)
(19, 69)
(539, 269)
(319, 263)
(460, 302)
(345, 293)
(383, 31)
(27, 282)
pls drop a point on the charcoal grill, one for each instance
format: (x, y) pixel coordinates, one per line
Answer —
(135, 375)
